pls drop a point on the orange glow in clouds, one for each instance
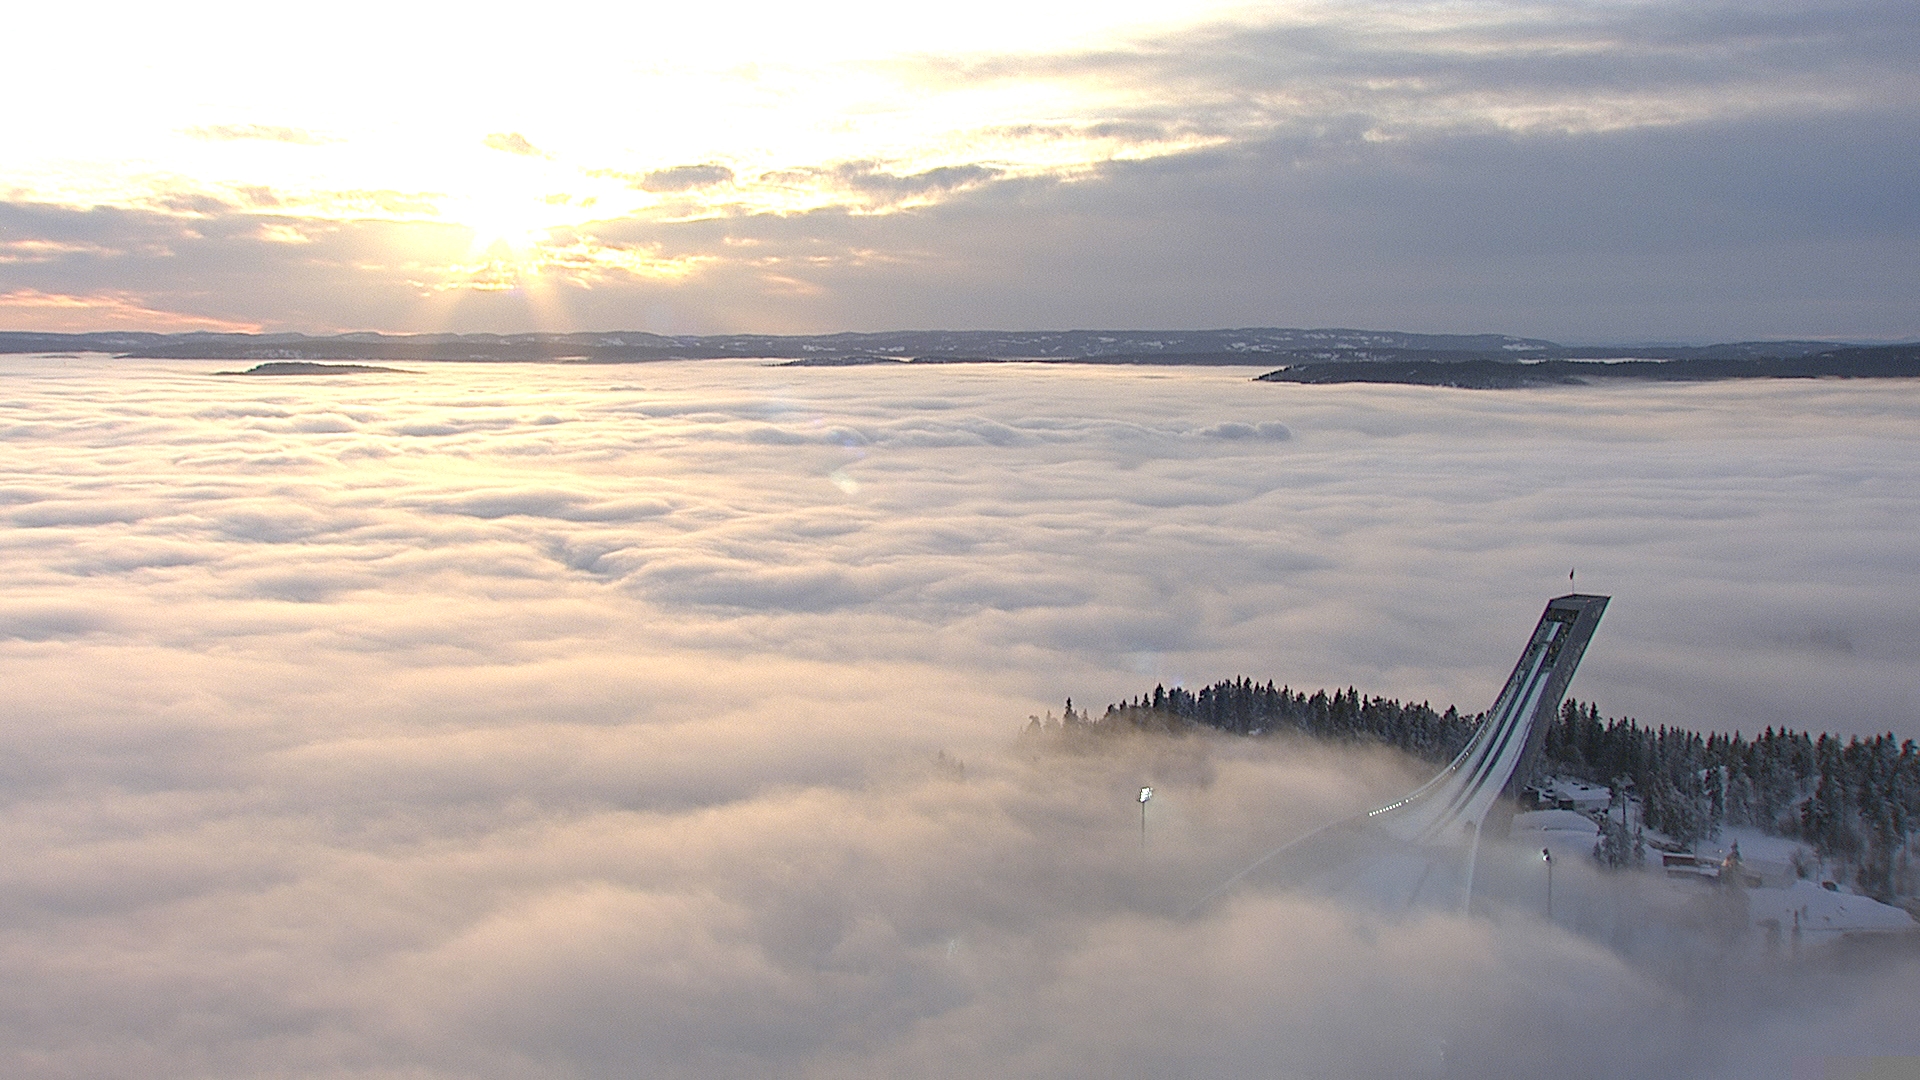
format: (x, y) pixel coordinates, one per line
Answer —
(63, 313)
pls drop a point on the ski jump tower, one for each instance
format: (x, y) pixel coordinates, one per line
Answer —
(1504, 754)
(1419, 851)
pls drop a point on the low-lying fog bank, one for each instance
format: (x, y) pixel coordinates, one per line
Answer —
(546, 722)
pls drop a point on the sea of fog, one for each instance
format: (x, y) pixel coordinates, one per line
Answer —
(558, 721)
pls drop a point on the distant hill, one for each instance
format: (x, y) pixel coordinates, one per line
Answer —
(1257, 346)
(1267, 347)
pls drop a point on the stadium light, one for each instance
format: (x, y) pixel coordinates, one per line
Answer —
(1146, 796)
(1546, 856)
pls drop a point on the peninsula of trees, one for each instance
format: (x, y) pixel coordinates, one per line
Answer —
(1479, 373)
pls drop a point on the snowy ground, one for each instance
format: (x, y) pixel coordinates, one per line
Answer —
(1775, 909)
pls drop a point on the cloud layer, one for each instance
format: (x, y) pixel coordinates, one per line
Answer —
(1620, 172)
(543, 721)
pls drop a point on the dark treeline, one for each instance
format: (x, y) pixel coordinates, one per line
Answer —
(1855, 802)
(1245, 707)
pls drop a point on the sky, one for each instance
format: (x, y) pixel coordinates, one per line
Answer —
(1602, 171)
(567, 721)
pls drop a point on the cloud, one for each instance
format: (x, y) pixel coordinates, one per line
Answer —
(512, 142)
(1692, 232)
(141, 269)
(562, 505)
(398, 727)
(866, 176)
(1615, 171)
(260, 133)
(1492, 67)
(1268, 429)
(31, 309)
(1539, 234)
(684, 178)
(42, 622)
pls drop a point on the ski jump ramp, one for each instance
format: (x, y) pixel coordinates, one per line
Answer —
(1418, 852)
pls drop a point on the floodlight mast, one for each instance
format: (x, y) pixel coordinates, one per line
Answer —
(1546, 856)
(1146, 796)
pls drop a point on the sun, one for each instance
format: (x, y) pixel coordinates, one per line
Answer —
(508, 225)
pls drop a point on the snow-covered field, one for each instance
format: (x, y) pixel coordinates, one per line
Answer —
(1783, 912)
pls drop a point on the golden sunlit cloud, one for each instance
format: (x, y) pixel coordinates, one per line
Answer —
(59, 313)
(476, 154)
(736, 109)
(33, 251)
(511, 142)
(262, 132)
(282, 233)
(759, 109)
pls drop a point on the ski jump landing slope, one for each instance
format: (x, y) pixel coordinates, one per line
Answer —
(1419, 851)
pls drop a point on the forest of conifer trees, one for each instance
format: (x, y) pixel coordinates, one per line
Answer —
(1856, 802)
